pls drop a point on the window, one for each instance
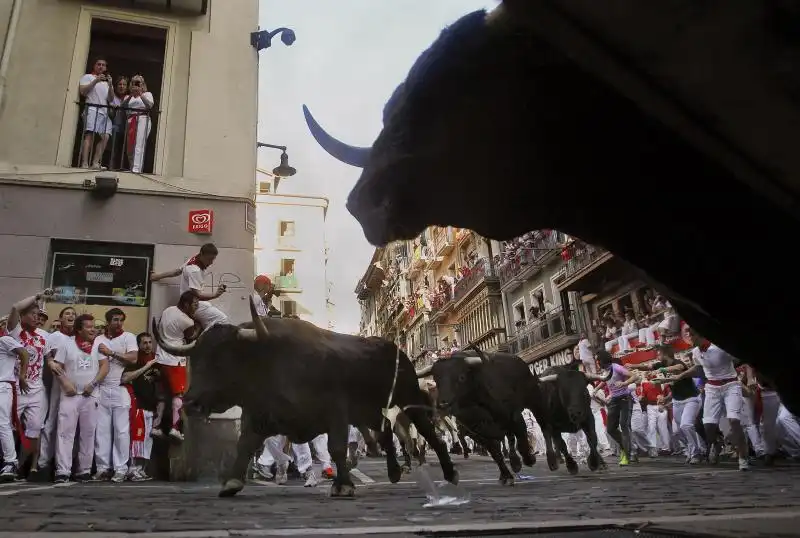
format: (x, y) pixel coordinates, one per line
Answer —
(287, 266)
(518, 309)
(287, 228)
(128, 50)
(99, 276)
(288, 307)
(264, 187)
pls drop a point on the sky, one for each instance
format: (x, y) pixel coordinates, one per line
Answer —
(348, 58)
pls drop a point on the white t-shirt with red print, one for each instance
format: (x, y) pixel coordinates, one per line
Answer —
(8, 359)
(35, 343)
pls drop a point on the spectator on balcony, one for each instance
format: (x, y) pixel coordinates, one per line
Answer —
(118, 122)
(647, 334)
(96, 89)
(138, 104)
(611, 333)
(670, 326)
(630, 329)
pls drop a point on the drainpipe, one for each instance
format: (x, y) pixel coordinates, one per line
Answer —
(5, 61)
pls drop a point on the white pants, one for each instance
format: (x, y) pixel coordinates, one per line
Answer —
(589, 365)
(6, 427)
(320, 443)
(32, 410)
(722, 401)
(113, 438)
(750, 426)
(143, 127)
(624, 341)
(142, 449)
(208, 314)
(74, 411)
(685, 414)
(354, 436)
(658, 428)
(273, 453)
(602, 439)
(639, 437)
(577, 445)
(789, 432)
(771, 404)
(647, 335)
(47, 443)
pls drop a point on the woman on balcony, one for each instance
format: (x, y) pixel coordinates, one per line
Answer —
(139, 103)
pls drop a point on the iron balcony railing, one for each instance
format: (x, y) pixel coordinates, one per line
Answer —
(115, 138)
(558, 322)
(482, 270)
(581, 255)
(442, 238)
(528, 257)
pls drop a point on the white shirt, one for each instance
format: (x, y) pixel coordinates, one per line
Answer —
(138, 103)
(585, 351)
(79, 367)
(192, 278)
(8, 358)
(630, 327)
(173, 324)
(110, 386)
(97, 95)
(56, 340)
(261, 307)
(36, 345)
(717, 364)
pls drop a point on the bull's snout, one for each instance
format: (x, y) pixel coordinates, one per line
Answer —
(443, 404)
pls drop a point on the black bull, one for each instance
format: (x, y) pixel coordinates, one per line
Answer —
(293, 378)
(487, 394)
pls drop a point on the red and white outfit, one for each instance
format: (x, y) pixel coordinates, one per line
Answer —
(172, 326)
(113, 439)
(8, 413)
(47, 442)
(192, 277)
(80, 367)
(32, 407)
(139, 125)
(723, 390)
(657, 419)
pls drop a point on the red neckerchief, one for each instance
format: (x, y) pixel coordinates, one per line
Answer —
(704, 346)
(29, 337)
(194, 261)
(83, 345)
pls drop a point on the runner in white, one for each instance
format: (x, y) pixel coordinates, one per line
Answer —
(11, 354)
(192, 275)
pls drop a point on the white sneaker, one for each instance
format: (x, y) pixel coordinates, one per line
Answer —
(744, 464)
(175, 434)
(8, 473)
(311, 478)
(280, 474)
(119, 476)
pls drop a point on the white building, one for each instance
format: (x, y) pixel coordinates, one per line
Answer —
(290, 248)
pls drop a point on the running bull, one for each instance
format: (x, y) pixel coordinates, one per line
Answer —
(540, 123)
(293, 378)
(568, 410)
(486, 395)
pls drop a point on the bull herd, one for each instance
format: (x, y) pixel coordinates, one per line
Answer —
(290, 377)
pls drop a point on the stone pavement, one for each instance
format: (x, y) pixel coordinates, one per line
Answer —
(664, 492)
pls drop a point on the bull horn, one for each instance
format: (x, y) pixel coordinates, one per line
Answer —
(605, 376)
(480, 353)
(260, 329)
(178, 350)
(548, 378)
(473, 361)
(422, 372)
(352, 155)
(247, 334)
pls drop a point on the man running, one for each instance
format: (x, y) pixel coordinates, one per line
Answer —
(192, 274)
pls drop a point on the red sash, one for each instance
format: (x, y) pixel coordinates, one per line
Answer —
(15, 421)
(136, 416)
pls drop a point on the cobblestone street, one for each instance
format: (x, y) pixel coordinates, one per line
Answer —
(663, 492)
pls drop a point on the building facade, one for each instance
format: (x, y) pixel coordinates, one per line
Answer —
(168, 179)
(437, 292)
(291, 250)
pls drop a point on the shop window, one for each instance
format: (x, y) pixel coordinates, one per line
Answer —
(96, 276)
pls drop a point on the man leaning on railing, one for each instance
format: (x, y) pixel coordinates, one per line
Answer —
(96, 88)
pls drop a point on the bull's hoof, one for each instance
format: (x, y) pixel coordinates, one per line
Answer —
(454, 478)
(231, 487)
(572, 466)
(466, 455)
(516, 463)
(593, 462)
(343, 491)
(405, 469)
(552, 462)
(395, 474)
(506, 480)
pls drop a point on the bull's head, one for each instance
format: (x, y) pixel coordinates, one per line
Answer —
(217, 362)
(454, 377)
(464, 96)
(570, 386)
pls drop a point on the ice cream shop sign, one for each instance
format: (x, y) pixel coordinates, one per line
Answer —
(201, 221)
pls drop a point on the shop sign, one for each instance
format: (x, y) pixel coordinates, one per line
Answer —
(201, 221)
(559, 358)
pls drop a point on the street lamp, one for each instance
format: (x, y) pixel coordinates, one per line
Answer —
(262, 39)
(283, 169)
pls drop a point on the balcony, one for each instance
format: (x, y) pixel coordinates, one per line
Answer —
(462, 234)
(419, 259)
(591, 269)
(529, 260)
(131, 138)
(285, 282)
(444, 240)
(558, 329)
(441, 303)
(478, 274)
(178, 7)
